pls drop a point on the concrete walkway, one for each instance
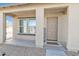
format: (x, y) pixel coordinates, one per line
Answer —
(55, 50)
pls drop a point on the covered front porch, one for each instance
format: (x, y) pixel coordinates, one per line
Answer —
(36, 32)
(39, 27)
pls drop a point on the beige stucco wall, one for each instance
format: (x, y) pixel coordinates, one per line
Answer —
(63, 30)
(73, 27)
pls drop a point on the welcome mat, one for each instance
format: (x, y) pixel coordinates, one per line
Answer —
(52, 43)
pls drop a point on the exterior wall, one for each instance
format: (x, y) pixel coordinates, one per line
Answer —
(63, 30)
(73, 27)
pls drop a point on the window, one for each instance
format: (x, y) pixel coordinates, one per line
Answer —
(27, 25)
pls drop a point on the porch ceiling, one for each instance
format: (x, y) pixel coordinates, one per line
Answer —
(55, 10)
(24, 13)
(33, 12)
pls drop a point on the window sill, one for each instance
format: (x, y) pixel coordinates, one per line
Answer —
(25, 34)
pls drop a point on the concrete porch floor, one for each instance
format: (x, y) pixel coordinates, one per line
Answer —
(19, 42)
(51, 50)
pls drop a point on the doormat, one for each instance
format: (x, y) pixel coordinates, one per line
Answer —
(51, 40)
(52, 43)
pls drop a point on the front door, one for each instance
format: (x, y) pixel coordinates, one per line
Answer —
(52, 28)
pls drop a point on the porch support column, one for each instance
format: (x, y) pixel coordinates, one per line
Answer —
(73, 27)
(1, 27)
(39, 27)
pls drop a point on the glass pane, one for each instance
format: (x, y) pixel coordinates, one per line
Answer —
(32, 23)
(31, 26)
(23, 26)
(25, 30)
(32, 30)
(21, 22)
(25, 23)
(21, 29)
